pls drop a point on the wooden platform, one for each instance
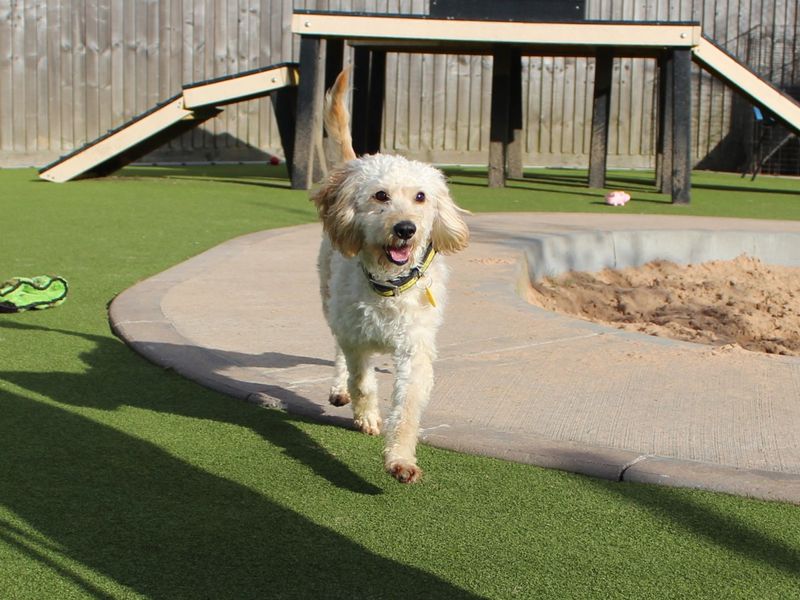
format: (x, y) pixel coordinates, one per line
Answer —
(673, 45)
(197, 103)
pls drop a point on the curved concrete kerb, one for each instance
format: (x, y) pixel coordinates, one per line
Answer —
(549, 255)
(512, 380)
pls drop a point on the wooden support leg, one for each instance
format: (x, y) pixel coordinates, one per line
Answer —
(308, 130)
(377, 87)
(498, 131)
(681, 127)
(360, 113)
(284, 105)
(515, 116)
(369, 83)
(664, 142)
(601, 110)
(334, 61)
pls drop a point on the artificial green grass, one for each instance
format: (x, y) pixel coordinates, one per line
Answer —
(564, 190)
(121, 480)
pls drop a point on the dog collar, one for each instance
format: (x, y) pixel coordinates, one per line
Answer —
(395, 287)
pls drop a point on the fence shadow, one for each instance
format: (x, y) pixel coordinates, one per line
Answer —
(156, 524)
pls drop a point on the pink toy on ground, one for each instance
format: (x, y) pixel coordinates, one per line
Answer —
(617, 198)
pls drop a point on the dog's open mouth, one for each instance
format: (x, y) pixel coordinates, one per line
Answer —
(399, 255)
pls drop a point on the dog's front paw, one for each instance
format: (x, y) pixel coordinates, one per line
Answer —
(404, 471)
(369, 424)
(338, 398)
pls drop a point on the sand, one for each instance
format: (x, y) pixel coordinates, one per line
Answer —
(741, 302)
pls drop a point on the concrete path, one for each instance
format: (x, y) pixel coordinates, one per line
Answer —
(512, 381)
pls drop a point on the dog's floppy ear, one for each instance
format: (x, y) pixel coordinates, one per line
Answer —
(450, 233)
(337, 212)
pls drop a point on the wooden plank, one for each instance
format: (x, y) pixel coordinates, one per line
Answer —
(53, 79)
(92, 81)
(450, 105)
(438, 106)
(534, 110)
(546, 105)
(257, 83)
(486, 106)
(176, 63)
(6, 79)
(761, 92)
(117, 41)
(41, 77)
(129, 59)
(128, 142)
(567, 105)
(104, 67)
(426, 100)
(80, 87)
(462, 99)
(664, 121)
(66, 79)
(401, 109)
(582, 34)
(515, 125)
(200, 52)
(142, 78)
(17, 64)
(414, 93)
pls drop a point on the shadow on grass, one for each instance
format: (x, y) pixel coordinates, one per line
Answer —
(164, 528)
(679, 508)
(156, 524)
(750, 190)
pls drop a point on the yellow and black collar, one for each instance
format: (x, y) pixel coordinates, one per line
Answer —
(395, 287)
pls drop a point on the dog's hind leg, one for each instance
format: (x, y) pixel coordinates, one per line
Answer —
(339, 395)
(363, 389)
(413, 385)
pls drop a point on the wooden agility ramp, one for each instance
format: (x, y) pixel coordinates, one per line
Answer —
(197, 103)
(708, 55)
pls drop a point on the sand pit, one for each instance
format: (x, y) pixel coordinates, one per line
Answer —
(741, 302)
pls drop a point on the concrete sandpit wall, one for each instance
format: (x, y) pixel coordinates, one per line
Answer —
(549, 255)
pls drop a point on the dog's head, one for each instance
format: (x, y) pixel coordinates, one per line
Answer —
(388, 209)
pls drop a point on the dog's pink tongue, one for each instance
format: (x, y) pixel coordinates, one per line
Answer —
(400, 255)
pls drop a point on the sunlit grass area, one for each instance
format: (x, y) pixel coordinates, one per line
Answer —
(119, 479)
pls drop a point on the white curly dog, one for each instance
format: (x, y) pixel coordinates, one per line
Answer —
(387, 220)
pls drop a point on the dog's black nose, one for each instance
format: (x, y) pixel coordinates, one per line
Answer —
(405, 230)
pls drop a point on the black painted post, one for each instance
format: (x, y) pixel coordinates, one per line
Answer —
(334, 61)
(664, 140)
(601, 111)
(284, 105)
(308, 130)
(681, 126)
(377, 86)
(515, 116)
(498, 130)
(360, 116)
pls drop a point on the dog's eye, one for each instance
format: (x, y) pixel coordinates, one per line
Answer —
(420, 197)
(381, 196)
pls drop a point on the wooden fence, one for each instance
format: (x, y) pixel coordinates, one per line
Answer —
(72, 69)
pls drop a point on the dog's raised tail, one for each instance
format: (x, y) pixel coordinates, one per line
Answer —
(337, 117)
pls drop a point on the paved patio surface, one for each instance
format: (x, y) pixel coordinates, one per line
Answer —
(512, 380)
